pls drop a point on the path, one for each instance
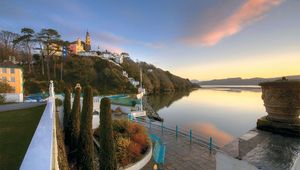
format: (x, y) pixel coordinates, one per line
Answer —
(18, 106)
(181, 155)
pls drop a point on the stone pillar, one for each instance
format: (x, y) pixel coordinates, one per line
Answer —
(51, 89)
(282, 102)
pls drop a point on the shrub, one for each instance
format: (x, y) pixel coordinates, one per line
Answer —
(108, 159)
(85, 143)
(142, 139)
(67, 110)
(135, 150)
(58, 102)
(134, 128)
(120, 126)
(74, 119)
(131, 141)
(2, 99)
(122, 145)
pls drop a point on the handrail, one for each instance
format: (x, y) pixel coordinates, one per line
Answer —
(41, 153)
(197, 138)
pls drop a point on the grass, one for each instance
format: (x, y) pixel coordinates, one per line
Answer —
(16, 130)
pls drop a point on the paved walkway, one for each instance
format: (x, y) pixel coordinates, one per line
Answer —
(181, 155)
(18, 106)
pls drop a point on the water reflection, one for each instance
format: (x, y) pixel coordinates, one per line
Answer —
(223, 114)
(165, 100)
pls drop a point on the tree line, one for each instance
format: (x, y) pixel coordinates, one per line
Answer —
(21, 46)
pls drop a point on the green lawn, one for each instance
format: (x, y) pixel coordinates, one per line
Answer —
(16, 130)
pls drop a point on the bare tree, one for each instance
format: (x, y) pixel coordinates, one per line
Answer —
(7, 44)
(7, 37)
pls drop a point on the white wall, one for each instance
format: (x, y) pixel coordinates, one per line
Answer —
(13, 97)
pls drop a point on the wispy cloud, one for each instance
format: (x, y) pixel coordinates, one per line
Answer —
(111, 38)
(249, 12)
(111, 48)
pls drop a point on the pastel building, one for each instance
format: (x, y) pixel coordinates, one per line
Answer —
(81, 46)
(13, 75)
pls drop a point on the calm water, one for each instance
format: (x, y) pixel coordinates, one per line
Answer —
(222, 113)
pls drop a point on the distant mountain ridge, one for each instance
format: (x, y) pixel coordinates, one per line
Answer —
(240, 81)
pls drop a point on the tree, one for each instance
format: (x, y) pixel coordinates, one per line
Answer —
(27, 38)
(50, 39)
(7, 37)
(4, 88)
(74, 120)
(85, 143)
(107, 147)
(67, 110)
(7, 44)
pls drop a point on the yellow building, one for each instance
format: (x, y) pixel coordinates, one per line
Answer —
(13, 75)
(77, 46)
(81, 46)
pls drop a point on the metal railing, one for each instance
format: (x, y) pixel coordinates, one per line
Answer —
(190, 135)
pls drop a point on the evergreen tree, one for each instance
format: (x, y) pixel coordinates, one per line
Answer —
(74, 119)
(85, 143)
(107, 149)
(67, 110)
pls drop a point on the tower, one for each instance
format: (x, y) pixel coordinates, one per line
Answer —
(87, 41)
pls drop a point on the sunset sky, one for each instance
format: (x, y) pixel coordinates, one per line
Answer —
(195, 39)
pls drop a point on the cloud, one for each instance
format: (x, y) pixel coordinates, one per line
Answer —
(111, 38)
(249, 12)
(111, 48)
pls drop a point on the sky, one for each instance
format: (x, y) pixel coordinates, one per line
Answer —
(195, 39)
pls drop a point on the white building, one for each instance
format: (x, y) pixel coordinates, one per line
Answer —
(133, 82)
(125, 74)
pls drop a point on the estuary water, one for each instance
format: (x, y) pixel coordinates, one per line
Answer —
(222, 113)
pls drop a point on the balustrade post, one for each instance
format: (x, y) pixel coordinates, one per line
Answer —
(190, 136)
(176, 132)
(210, 144)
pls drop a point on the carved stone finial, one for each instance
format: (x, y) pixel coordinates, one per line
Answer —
(77, 86)
(51, 88)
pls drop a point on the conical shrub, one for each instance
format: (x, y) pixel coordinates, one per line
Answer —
(67, 112)
(85, 152)
(107, 148)
(74, 119)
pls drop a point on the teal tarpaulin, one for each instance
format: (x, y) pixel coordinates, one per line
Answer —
(158, 150)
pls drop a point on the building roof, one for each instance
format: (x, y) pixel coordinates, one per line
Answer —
(9, 64)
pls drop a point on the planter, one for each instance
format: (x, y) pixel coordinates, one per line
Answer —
(282, 100)
(141, 163)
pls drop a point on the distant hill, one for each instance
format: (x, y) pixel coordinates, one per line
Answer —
(240, 81)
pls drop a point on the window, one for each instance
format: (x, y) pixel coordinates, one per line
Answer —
(13, 89)
(4, 79)
(3, 70)
(12, 79)
(12, 70)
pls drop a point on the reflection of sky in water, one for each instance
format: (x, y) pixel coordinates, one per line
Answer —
(223, 115)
